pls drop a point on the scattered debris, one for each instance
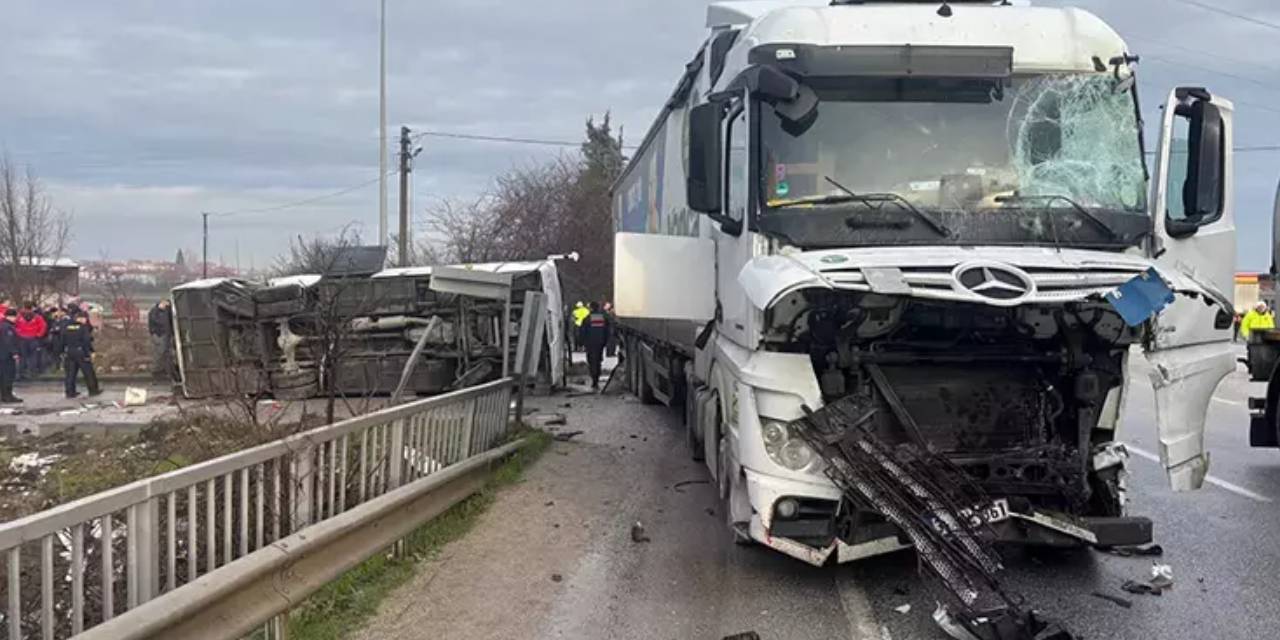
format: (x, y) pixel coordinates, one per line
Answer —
(685, 483)
(900, 590)
(633, 436)
(1162, 576)
(1152, 549)
(545, 419)
(638, 534)
(555, 577)
(710, 511)
(567, 435)
(135, 396)
(566, 405)
(1123, 602)
(550, 503)
(10, 411)
(72, 412)
(1140, 588)
(746, 635)
(903, 609)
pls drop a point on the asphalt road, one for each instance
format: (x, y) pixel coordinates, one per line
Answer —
(690, 581)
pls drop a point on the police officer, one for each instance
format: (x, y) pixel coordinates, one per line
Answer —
(76, 346)
(595, 335)
(9, 351)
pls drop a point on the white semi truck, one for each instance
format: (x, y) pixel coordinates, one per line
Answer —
(940, 213)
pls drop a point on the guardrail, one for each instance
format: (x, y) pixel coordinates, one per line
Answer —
(180, 527)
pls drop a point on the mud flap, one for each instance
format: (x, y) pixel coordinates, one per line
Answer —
(1184, 380)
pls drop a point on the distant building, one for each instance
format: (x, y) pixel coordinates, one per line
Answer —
(1251, 287)
(45, 276)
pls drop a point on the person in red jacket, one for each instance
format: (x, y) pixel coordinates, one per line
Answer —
(31, 329)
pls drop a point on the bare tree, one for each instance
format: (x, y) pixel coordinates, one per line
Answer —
(32, 230)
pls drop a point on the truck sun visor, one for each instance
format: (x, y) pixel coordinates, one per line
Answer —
(938, 61)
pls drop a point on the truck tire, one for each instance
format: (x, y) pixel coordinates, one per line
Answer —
(692, 426)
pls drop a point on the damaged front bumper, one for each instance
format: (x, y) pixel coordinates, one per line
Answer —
(815, 534)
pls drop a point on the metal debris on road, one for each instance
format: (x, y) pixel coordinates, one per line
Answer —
(567, 435)
(638, 534)
(545, 420)
(1140, 588)
(1123, 602)
(926, 497)
(1153, 550)
(555, 577)
(685, 483)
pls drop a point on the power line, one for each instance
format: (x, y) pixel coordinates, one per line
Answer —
(509, 139)
(1227, 12)
(298, 203)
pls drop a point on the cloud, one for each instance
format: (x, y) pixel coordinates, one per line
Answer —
(142, 114)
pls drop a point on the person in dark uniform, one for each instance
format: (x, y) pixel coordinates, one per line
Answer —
(76, 339)
(596, 329)
(9, 351)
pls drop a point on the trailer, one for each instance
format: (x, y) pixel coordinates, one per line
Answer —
(937, 218)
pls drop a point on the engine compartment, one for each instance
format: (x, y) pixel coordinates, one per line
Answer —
(1023, 399)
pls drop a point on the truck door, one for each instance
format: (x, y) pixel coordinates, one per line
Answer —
(734, 249)
(1190, 346)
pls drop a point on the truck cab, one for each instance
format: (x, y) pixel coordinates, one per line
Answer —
(928, 213)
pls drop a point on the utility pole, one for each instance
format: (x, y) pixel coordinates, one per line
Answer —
(382, 125)
(204, 259)
(405, 168)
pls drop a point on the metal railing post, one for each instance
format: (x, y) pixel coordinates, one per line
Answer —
(304, 482)
(395, 453)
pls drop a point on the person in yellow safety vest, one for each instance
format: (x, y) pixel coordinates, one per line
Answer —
(580, 313)
(1258, 318)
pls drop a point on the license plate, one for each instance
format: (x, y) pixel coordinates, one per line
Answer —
(997, 511)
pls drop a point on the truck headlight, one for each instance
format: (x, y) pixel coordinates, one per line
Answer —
(784, 447)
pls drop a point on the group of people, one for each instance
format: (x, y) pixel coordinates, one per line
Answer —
(34, 340)
(593, 331)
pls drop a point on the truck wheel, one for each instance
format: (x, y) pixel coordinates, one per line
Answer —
(692, 426)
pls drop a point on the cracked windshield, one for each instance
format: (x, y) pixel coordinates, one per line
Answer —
(963, 146)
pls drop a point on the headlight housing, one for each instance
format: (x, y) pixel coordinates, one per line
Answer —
(784, 447)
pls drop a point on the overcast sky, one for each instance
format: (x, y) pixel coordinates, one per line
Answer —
(141, 114)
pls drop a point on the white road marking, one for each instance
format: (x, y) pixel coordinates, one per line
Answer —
(1213, 480)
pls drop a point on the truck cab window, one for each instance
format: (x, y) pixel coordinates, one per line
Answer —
(1176, 208)
(736, 165)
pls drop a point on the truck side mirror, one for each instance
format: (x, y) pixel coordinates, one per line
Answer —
(1202, 191)
(703, 183)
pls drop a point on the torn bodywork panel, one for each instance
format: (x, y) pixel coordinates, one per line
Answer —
(1184, 381)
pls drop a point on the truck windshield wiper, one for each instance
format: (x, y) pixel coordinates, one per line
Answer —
(1049, 200)
(903, 203)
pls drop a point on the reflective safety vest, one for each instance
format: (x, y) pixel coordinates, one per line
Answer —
(580, 314)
